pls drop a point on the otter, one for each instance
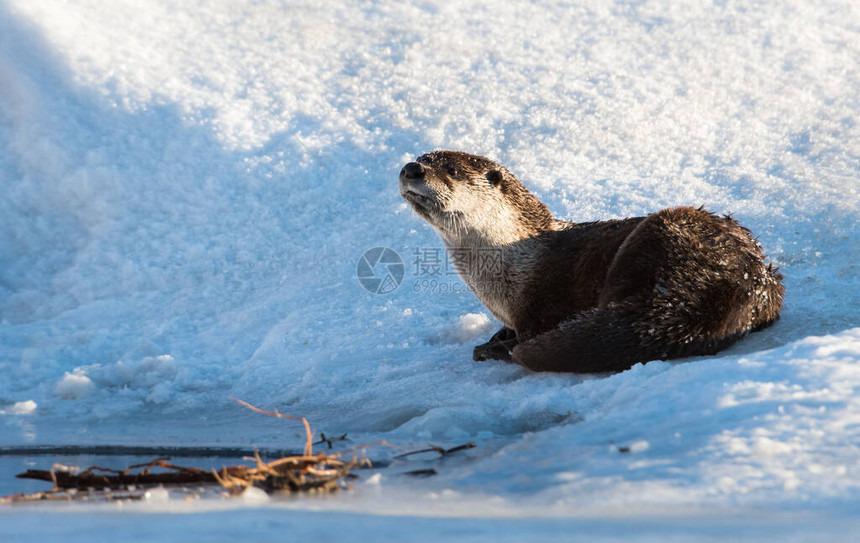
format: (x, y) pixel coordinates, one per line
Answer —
(598, 296)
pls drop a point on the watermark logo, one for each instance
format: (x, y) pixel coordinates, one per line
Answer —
(380, 270)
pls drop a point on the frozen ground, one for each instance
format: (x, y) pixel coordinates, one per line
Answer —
(187, 188)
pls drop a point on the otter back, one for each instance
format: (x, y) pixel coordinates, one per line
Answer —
(682, 282)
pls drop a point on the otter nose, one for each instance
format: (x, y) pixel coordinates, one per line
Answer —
(413, 170)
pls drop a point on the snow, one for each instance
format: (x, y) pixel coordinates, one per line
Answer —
(188, 188)
(20, 408)
(74, 385)
(473, 327)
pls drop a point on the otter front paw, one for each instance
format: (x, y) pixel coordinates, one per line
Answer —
(499, 347)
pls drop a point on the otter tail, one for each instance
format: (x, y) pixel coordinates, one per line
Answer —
(605, 340)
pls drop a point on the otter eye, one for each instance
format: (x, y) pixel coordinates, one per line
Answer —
(451, 171)
(494, 177)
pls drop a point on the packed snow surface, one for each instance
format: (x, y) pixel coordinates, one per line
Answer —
(188, 188)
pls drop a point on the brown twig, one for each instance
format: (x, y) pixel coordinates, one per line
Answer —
(309, 446)
(420, 472)
(329, 440)
(440, 450)
(381, 443)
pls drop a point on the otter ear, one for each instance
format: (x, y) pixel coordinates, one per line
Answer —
(494, 177)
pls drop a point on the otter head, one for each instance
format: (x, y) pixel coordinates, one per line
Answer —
(471, 200)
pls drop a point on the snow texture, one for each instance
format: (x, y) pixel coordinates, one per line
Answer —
(189, 186)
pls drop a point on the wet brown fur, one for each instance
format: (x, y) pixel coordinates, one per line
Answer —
(600, 296)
